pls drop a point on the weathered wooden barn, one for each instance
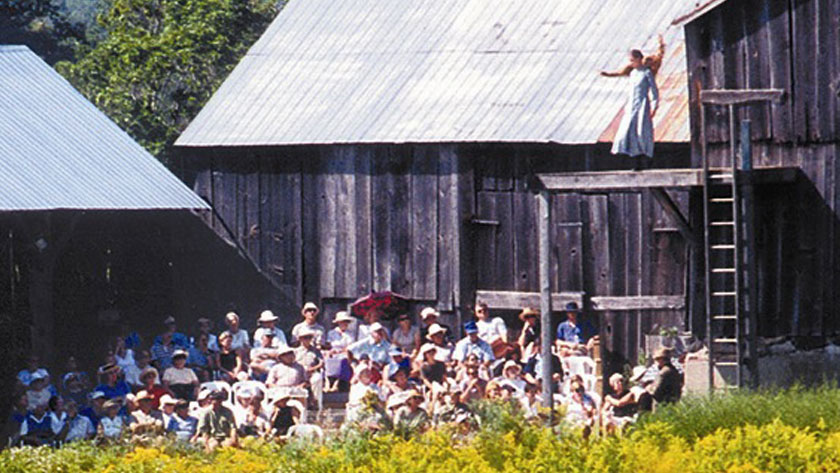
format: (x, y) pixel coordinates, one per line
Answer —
(793, 46)
(392, 145)
(95, 233)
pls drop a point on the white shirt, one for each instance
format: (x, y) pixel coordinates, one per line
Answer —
(125, 361)
(111, 428)
(340, 340)
(279, 337)
(58, 421)
(80, 428)
(364, 332)
(489, 330)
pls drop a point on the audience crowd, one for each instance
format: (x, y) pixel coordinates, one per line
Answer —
(213, 389)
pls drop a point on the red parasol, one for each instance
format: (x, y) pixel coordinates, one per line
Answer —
(389, 303)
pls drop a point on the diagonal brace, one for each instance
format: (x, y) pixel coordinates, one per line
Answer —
(673, 211)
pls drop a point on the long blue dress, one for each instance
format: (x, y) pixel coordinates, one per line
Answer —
(635, 133)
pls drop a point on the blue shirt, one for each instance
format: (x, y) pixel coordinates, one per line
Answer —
(569, 333)
(121, 389)
(378, 352)
(465, 347)
(178, 339)
(184, 428)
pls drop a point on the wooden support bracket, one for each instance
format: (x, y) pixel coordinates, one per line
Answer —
(673, 211)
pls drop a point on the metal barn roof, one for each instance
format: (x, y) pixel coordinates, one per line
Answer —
(392, 71)
(58, 151)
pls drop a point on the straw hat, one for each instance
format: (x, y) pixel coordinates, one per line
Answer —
(427, 312)
(435, 329)
(309, 306)
(342, 316)
(528, 312)
(267, 316)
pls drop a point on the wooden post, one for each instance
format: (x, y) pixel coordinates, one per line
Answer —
(751, 282)
(544, 219)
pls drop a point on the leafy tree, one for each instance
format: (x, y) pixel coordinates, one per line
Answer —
(162, 59)
(41, 25)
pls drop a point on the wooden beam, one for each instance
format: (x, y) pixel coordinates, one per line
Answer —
(604, 181)
(544, 248)
(621, 180)
(677, 217)
(741, 96)
(513, 300)
(616, 303)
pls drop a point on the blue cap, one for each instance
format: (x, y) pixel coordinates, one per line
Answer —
(470, 327)
(572, 307)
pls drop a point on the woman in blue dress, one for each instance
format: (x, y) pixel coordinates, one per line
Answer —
(634, 137)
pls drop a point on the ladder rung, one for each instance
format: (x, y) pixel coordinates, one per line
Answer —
(722, 224)
(724, 317)
(726, 363)
(724, 294)
(723, 247)
(720, 176)
(724, 340)
(723, 270)
(722, 200)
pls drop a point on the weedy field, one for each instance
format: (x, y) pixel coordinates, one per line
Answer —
(784, 431)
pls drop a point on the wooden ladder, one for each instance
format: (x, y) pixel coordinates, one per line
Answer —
(730, 283)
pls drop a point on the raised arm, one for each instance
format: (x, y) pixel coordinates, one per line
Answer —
(624, 71)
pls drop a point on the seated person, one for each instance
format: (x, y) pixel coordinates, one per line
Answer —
(111, 425)
(254, 423)
(231, 362)
(429, 317)
(571, 339)
(376, 346)
(146, 420)
(512, 376)
(267, 323)
(283, 416)
(37, 427)
(472, 344)
(178, 339)
(241, 341)
(76, 426)
(132, 373)
(362, 389)
(179, 379)
(201, 359)
(182, 424)
(265, 356)
(619, 405)
(38, 392)
(20, 409)
(437, 335)
(580, 408)
(310, 323)
(113, 387)
(149, 379)
(472, 387)
(33, 366)
(411, 416)
(287, 372)
(337, 365)
(216, 426)
(531, 401)
(491, 330)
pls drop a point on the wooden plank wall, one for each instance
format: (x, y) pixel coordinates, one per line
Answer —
(603, 244)
(334, 223)
(438, 222)
(792, 45)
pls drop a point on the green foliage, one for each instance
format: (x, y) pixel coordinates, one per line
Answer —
(660, 444)
(695, 417)
(41, 25)
(162, 60)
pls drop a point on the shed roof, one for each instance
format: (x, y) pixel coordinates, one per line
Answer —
(58, 151)
(394, 71)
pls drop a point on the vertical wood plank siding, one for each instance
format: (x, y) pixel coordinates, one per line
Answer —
(791, 45)
(437, 222)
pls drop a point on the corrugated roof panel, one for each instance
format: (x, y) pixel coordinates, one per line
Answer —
(393, 71)
(57, 151)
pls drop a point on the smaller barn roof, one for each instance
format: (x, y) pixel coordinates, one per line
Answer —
(397, 71)
(58, 151)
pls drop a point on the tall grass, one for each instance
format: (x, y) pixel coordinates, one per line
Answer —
(800, 407)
